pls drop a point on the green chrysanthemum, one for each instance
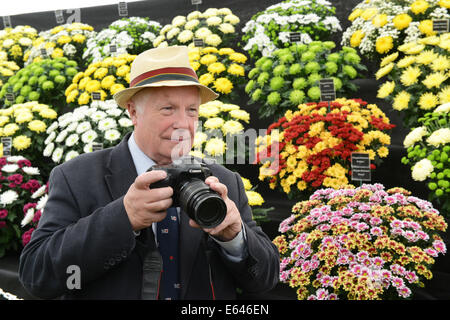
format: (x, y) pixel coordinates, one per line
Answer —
(273, 98)
(296, 97)
(276, 83)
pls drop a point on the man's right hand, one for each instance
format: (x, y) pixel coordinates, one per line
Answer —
(145, 206)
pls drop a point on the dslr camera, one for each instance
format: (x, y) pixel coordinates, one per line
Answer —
(191, 193)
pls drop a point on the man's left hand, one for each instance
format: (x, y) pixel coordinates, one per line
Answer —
(232, 223)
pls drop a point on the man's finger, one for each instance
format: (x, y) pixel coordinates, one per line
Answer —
(146, 179)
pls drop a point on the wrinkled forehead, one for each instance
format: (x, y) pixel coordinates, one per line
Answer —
(186, 93)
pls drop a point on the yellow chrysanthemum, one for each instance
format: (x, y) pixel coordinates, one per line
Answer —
(388, 59)
(216, 68)
(380, 20)
(215, 147)
(410, 75)
(108, 81)
(214, 123)
(84, 98)
(434, 80)
(238, 57)
(48, 113)
(37, 126)
(247, 184)
(232, 127)
(116, 88)
(355, 14)
(208, 110)
(401, 101)
(444, 3)
(57, 53)
(402, 21)
(236, 70)
(64, 39)
(444, 95)
(100, 73)
(426, 57)
(426, 27)
(240, 115)
(356, 38)
(254, 198)
(21, 142)
(384, 44)
(384, 70)
(24, 116)
(441, 63)
(10, 129)
(208, 59)
(406, 61)
(428, 101)
(386, 89)
(72, 96)
(223, 85)
(419, 6)
(79, 38)
(206, 78)
(122, 71)
(93, 85)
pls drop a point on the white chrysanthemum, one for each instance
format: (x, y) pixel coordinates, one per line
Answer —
(41, 203)
(185, 36)
(57, 155)
(61, 136)
(422, 170)
(443, 108)
(48, 150)
(112, 135)
(199, 139)
(83, 127)
(15, 159)
(32, 171)
(28, 217)
(70, 155)
(115, 112)
(414, 136)
(10, 168)
(125, 122)
(8, 197)
(213, 21)
(87, 148)
(440, 136)
(50, 138)
(72, 140)
(89, 136)
(72, 126)
(98, 115)
(39, 192)
(106, 124)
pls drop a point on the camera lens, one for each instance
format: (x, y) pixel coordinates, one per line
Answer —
(203, 205)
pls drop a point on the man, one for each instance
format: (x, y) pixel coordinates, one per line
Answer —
(101, 219)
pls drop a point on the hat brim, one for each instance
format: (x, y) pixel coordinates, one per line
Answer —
(206, 94)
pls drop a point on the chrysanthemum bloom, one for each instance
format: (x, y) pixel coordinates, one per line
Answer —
(384, 44)
(402, 21)
(422, 169)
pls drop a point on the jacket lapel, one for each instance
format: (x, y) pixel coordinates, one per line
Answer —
(122, 169)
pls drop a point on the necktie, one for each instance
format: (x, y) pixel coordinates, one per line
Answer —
(167, 232)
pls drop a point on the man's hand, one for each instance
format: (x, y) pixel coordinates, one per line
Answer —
(145, 206)
(232, 224)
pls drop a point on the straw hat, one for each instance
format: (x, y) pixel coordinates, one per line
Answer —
(162, 67)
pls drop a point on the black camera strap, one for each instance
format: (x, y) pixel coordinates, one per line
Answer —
(208, 253)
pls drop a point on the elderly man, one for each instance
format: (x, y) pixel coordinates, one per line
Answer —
(106, 234)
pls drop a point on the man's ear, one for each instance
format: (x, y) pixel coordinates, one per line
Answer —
(131, 107)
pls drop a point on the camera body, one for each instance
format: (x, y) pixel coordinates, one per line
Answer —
(186, 177)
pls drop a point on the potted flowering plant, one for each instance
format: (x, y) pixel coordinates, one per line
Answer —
(311, 148)
(67, 40)
(379, 26)
(19, 181)
(418, 80)
(269, 30)
(33, 211)
(220, 124)
(105, 77)
(428, 155)
(292, 75)
(26, 125)
(223, 70)
(15, 41)
(42, 81)
(128, 35)
(359, 244)
(7, 69)
(102, 124)
(216, 27)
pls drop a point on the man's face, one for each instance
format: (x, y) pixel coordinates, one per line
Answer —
(165, 121)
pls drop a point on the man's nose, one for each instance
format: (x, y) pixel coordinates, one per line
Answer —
(181, 120)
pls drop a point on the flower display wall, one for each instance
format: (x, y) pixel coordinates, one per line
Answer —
(74, 133)
(366, 243)
(428, 148)
(19, 180)
(311, 147)
(222, 70)
(43, 81)
(270, 29)
(418, 81)
(379, 26)
(216, 27)
(127, 35)
(292, 75)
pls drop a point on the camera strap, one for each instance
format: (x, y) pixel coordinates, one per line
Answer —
(208, 252)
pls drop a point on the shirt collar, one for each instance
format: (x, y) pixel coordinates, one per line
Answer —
(141, 161)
